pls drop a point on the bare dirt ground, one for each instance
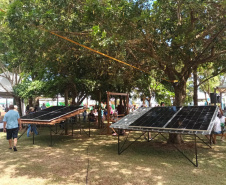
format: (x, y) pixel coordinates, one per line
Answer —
(83, 160)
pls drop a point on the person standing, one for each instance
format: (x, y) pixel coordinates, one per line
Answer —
(84, 115)
(12, 119)
(43, 106)
(31, 127)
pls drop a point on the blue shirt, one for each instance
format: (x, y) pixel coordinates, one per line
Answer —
(11, 118)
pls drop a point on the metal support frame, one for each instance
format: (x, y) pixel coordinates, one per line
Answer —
(196, 153)
(22, 133)
(33, 137)
(62, 130)
(152, 138)
(87, 133)
(121, 149)
(57, 131)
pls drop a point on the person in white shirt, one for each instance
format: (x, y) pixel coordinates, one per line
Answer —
(217, 128)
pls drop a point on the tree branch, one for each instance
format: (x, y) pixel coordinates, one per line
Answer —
(223, 70)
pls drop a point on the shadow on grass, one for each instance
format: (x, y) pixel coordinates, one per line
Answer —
(77, 159)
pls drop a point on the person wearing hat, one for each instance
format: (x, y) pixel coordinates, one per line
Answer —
(31, 127)
(12, 119)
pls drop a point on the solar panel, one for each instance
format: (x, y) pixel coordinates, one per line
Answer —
(130, 118)
(184, 120)
(156, 117)
(42, 112)
(193, 118)
(50, 114)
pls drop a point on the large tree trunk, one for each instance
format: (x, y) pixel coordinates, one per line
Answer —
(195, 95)
(143, 101)
(73, 98)
(30, 102)
(18, 103)
(180, 94)
(66, 97)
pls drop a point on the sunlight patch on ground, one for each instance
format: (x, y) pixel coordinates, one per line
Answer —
(166, 164)
(4, 180)
(125, 171)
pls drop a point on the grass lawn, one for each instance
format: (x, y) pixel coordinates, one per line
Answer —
(83, 160)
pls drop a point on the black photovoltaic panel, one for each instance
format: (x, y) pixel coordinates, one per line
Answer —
(156, 117)
(184, 120)
(51, 114)
(53, 108)
(42, 112)
(192, 117)
(58, 113)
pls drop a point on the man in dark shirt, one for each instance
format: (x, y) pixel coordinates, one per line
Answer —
(91, 116)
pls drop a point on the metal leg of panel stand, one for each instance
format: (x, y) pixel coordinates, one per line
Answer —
(204, 141)
(118, 143)
(196, 165)
(33, 137)
(56, 128)
(196, 153)
(152, 138)
(120, 149)
(72, 128)
(22, 133)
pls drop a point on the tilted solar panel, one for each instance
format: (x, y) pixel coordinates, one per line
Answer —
(50, 114)
(193, 118)
(58, 113)
(156, 117)
(130, 118)
(53, 108)
(40, 113)
(181, 120)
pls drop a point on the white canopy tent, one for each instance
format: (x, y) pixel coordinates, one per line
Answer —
(7, 81)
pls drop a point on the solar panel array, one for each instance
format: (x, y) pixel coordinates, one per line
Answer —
(184, 120)
(51, 113)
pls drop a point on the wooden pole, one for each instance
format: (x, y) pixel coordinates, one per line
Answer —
(108, 113)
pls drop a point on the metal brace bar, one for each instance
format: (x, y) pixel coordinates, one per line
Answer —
(204, 141)
(120, 150)
(195, 164)
(22, 133)
(152, 138)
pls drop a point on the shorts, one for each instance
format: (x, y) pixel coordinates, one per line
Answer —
(219, 132)
(12, 133)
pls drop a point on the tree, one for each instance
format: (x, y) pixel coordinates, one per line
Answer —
(172, 36)
(205, 77)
